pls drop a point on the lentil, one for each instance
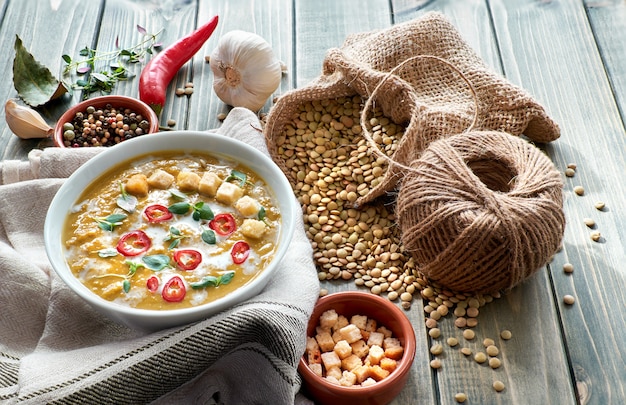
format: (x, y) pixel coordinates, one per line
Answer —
(488, 342)
(452, 341)
(435, 363)
(568, 268)
(589, 222)
(436, 349)
(495, 362)
(569, 299)
(569, 172)
(595, 236)
(480, 357)
(434, 333)
(579, 190)
(492, 350)
(498, 386)
(103, 127)
(469, 334)
(460, 397)
(599, 205)
(466, 351)
(506, 334)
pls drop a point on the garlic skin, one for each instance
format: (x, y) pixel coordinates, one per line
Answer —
(245, 70)
(25, 122)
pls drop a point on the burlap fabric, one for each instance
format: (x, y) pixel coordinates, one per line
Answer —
(54, 348)
(438, 87)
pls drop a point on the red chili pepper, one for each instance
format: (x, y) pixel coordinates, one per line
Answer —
(174, 290)
(240, 252)
(157, 213)
(223, 224)
(152, 283)
(161, 69)
(133, 243)
(187, 259)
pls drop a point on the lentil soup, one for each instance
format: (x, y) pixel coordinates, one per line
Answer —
(172, 231)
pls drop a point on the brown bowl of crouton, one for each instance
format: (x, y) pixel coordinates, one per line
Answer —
(360, 348)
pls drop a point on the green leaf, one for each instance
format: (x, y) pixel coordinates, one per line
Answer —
(126, 201)
(239, 176)
(126, 285)
(156, 262)
(109, 252)
(202, 211)
(227, 277)
(33, 81)
(178, 195)
(206, 281)
(180, 208)
(208, 236)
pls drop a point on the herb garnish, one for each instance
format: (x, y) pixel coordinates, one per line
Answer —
(110, 222)
(212, 281)
(126, 201)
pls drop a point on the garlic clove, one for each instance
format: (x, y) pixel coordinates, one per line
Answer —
(25, 122)
(245, 70)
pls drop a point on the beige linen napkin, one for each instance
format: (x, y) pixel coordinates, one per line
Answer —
(55, 349)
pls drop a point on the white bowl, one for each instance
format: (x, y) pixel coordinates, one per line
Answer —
(189, 141)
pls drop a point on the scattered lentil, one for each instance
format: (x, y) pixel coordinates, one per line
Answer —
(595, 236)
(488, 342)
(569, 299)
(480, 357)
(498, 386)
(506, 334)
(599, 205)
(569, 172)
(460, 397)
(171, 123)
(469, 334)
(568, 268)
(435, 363)
(589, 222)
(323, 292)
(180, 91)
(452, 341)
(436, 349)
(466, 351)
(492, 350)
(495, 362)
(221, 116)
(579, 190)
(571, 166)
(434, 333)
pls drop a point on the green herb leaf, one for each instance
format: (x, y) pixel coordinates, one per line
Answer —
(126, 201)
(33, 81)
(238, 176)
(109, 223)
(208, 236)
(178, 195)
(179, 208)
(126, 285)
(110, 252)
(202, 211)
(206, 281)
(261, 214)
(227, 277)
(132, 267)
(156, 262)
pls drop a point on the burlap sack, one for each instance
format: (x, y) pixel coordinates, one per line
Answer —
(430, 80)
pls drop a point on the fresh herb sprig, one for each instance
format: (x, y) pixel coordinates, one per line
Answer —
(85, 66)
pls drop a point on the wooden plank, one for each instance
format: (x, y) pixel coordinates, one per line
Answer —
(571, 82)
(270, 20)
(47, 34)
(527, 311)
(321, 25)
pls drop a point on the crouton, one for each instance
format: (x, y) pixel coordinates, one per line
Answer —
(376, 338)
(253, 228)
(388, 364)
(187, 181)
(161, 179)
(209, 184)
(348, 379)
(369, 382)
(341, 322)
(359, 321)
(247, 206)
(375, 354)
(228, 193)
(330, 360)
(313, 351)
(351, 362)
(360, 348)
(391, 342)
(362, 373)
(329, 318)
(394, 352)
(343, 349)
(371, 325)
(316, 368)
(332, 380)
(325, 341)
(384, 331)
(137, 185)
(378, 373)
(334, 372)
(351, 333)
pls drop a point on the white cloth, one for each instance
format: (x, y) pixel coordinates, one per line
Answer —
(55, 348)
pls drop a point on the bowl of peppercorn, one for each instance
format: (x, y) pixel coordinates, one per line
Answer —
(104, 121)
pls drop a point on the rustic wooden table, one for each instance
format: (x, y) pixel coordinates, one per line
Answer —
(569, 54)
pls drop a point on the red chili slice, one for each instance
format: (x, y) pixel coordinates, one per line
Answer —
(133, 243)
(187, 259)
(223, 224)
(157, 213)
(240, 252)
(152, 283)
(174, 290)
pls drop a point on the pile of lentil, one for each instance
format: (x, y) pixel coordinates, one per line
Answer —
(330, 165)
(103, 127)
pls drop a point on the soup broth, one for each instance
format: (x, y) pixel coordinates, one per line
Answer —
(172, 231)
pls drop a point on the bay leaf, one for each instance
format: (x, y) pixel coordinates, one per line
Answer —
(34, 82)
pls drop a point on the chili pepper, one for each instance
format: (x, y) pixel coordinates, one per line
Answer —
(161, 69)
(134, 243)
(223, 224)
(240, 252)
(187, 259)
(174, 290)
(157, 213)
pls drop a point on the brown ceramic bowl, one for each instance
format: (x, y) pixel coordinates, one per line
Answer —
(385, 313)
(133, 104)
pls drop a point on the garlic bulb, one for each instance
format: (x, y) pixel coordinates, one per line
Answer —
(245, 70)
(26, 122)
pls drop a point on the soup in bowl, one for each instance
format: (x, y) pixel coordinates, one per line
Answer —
(164, 230)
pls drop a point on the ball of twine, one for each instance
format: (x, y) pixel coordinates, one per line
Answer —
(481, 211)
